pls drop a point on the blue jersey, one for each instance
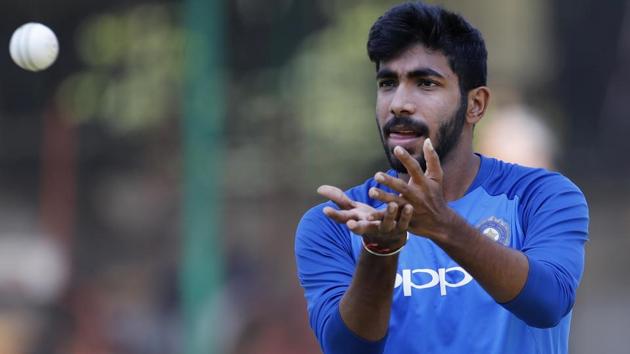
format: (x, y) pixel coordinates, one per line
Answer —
(437, 306)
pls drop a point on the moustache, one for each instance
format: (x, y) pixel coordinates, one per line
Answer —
(406, 123)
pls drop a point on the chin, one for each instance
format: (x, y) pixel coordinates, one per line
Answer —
(395, 164)
(413, 146)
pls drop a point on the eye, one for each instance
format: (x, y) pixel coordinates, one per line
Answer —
(427, 83)
(387, 83)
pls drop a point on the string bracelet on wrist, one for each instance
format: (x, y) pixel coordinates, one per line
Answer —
(375, 249)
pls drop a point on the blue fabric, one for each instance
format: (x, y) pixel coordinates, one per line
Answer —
(438, 307)
(340, 340)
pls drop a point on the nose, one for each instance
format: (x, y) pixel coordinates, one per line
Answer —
(402, 103)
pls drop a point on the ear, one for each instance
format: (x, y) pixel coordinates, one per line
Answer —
(478, 99)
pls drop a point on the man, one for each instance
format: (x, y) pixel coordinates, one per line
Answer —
(450, 251)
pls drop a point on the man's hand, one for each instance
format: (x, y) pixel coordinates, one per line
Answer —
(386, 228)
(424, 192)
(366, 305)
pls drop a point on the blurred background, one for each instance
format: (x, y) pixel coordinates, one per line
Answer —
(151, 180)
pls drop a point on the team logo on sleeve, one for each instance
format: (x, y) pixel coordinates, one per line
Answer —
(496, 229)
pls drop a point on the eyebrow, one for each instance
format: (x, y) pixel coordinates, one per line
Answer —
(413, 74)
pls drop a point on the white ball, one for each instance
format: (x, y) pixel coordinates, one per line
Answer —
(34, 46)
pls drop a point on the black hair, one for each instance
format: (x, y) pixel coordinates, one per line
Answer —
(437, 29)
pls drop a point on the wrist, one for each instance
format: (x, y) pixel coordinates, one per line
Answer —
(444, 229)
(384, 250)
(454, 234)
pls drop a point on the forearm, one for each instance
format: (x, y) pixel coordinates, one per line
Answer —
(535, 290)
(500, 270)
(366, 306)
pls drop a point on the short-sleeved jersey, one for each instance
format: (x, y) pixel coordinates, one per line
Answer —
(438, 307)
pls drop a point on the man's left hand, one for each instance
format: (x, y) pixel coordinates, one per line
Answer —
(424, 191)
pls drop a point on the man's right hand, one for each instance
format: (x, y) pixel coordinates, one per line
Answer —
(387, 229)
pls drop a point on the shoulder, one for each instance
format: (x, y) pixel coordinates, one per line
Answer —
(315, 221)
(538, 191)
(525, 182)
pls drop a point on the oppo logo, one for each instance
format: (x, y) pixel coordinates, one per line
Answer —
(428, 278)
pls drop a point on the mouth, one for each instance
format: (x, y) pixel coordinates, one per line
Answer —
(404, 136)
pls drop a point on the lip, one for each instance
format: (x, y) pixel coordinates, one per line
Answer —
(405, 140)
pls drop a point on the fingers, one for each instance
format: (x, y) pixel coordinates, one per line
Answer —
(412, 165)
(434, 168)
(405, 217)
(376, 215)
(385, 197)
(408, 193)
(363, 227)
(341, 216)
(337, 196)
(390, 228)
(393, 217)
(389, 220)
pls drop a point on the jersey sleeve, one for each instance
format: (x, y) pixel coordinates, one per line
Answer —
(554, 218)
(325, 265)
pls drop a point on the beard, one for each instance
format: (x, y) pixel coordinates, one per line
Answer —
(446, 138)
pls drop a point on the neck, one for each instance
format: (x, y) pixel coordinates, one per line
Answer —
(459, 173)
